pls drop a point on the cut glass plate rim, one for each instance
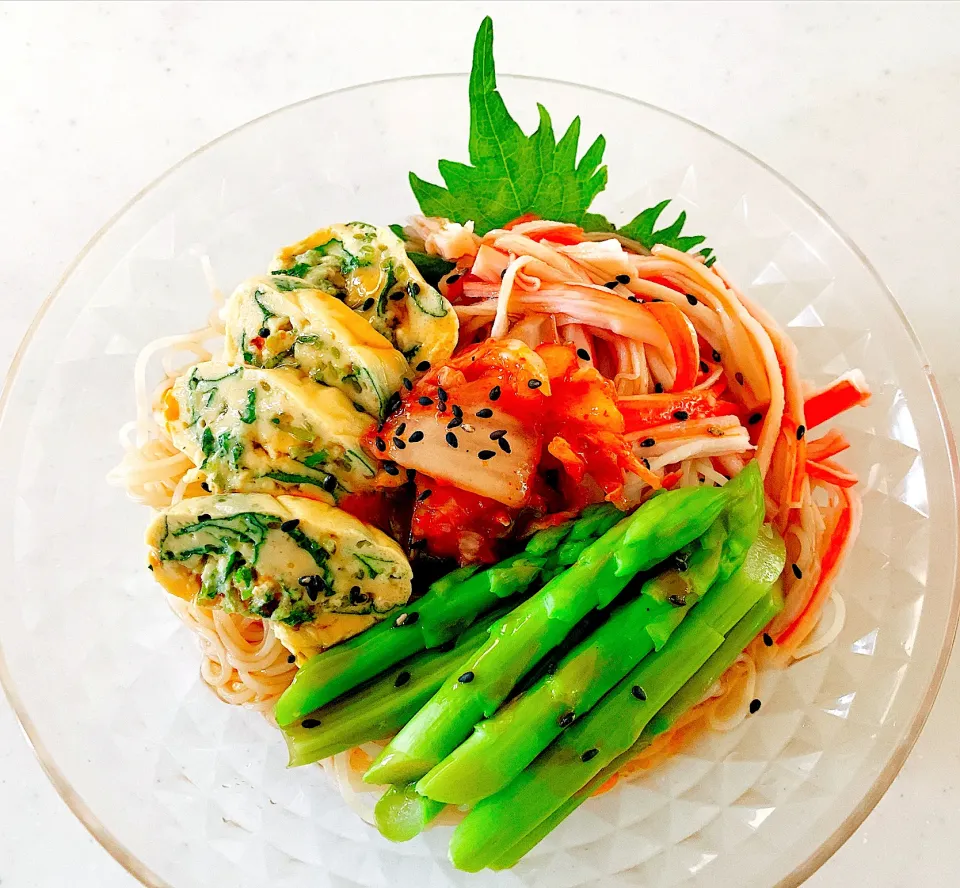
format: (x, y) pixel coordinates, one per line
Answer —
(892, 766)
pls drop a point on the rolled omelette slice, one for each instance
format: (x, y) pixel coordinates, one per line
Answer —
(369, 269)
(317, 573)
(271, 323)
(270, 431)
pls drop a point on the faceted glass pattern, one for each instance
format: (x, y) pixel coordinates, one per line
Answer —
(189, 792)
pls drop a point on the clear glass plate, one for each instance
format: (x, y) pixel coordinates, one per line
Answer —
(186, 791)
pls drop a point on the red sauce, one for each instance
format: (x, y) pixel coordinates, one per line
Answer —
(458, 524)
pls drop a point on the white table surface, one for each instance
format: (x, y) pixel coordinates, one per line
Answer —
(857, 104)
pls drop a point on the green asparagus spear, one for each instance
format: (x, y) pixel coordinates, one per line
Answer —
(382, 706)
(478, 687)
(402, 814)
(613, 725)
(686, 698)
(447, 609)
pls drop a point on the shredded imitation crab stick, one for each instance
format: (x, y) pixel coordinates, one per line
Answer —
(849, 390)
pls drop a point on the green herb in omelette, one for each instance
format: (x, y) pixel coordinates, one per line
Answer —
(249, 414)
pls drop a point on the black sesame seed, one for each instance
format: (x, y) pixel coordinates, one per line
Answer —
(502, 273)
(416, 436)
(583, 354)
(566, 719)
(381, 446)
(313, 584)
(401, 679)
(738, 376)
(329, 484)
(414, 288)
(484, 413)
(767, 640)
(391, 469)
(647, 442)
(638, 692)
(367, 304)
(658, 388)
(457, 411)
(534, 383)
(589, 754)
(411, 474)
(204, 517)
(610, 284)
(754, 706)
(796, 571)
(494, 393)
(623, 278)
(401, 428)
(645, 461)
(691, 299)
(716, 356)
(633, 298)
(486, 454)
(359, 408)
(393, 402)
(287, 526)
(406, 619)
(704, 367)
(451, 439)
(264, 332)
(311, 723)
(466, 678)
(755, 418)
(291, 659)
(441, 393)
(150, 567)
(456, 421)
(656, 299)
(424, 401)
(399, 443)
(205, 486)
(677, 600)
(397, 295)
(681, 415)
(453, 279)
(424, 494)
(503, 444)
(499, 433)
(407, 384)
(801, 431)
(422, 367)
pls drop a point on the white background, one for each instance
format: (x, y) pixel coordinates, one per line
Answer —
(858, 104)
